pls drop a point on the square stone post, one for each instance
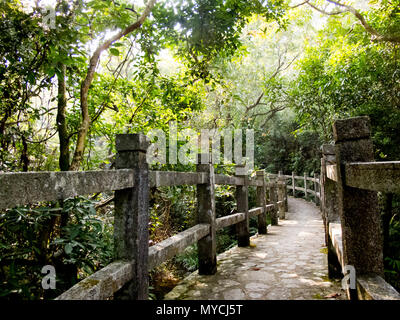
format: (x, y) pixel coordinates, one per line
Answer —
(281, 198)
(329, 207)
(131, 219)
(358, 209)
(305, 185)
(242, 199)
(272, 190)
(207, 246)
(293, 184)
(317, 189)
(261, 202)
(329, 195)
(282, 179)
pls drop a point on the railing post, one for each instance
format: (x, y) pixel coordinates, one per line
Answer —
(305, 185)
(261, 202)
(207, 246)
(329, 197)
(329, 207)
(358, 209)
(272, 186)
(286, 196)
(282, 179)
(131, 234)
(294, 184)
(317, 189)
(242, 199)
(281, 198)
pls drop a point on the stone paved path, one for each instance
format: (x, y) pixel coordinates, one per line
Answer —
(289, 263)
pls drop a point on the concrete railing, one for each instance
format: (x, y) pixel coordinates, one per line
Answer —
(310, 185)
(350, 180)
(131, 182)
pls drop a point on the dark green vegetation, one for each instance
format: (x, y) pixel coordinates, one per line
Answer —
(285, 71)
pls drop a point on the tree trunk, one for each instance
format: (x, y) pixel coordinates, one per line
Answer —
(94, 60)
(61, 120)
(386, 217)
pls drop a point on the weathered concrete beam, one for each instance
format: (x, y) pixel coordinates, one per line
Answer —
(374, 176)
(102, 284)
(256, 211)
(230, 220)
(176, 244)
(369, 286)
(175, 178)
(256, 183)
(331, 172)
(228, 180)
(374, 287)
(335, 233)
(31, 187)
(311, 191)
(271, 207)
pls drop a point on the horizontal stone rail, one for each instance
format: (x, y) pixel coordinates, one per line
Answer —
(374, 176)
(255, 183)
(228, 180)
(102, 284)
(32, 187)
(369, 286)
(335, 234)
(176, 244)
(291, 181)
(331, 172)
(174, 178)
(256, 211)
(240, 216)
(270, 207)
(229, 220)
(374, 287)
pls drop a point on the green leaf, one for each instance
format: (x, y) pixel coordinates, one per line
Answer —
(114, 52)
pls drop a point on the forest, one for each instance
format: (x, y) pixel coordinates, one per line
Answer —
(75, 73)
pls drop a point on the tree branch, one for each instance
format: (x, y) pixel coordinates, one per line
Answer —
(94, 60)
(376, 36)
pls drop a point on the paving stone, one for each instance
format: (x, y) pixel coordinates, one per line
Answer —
(234, 294)
(287, 263)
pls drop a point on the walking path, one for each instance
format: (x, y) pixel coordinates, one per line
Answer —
(289, 263)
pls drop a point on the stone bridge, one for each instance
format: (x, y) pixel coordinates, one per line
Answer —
(291, 258)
